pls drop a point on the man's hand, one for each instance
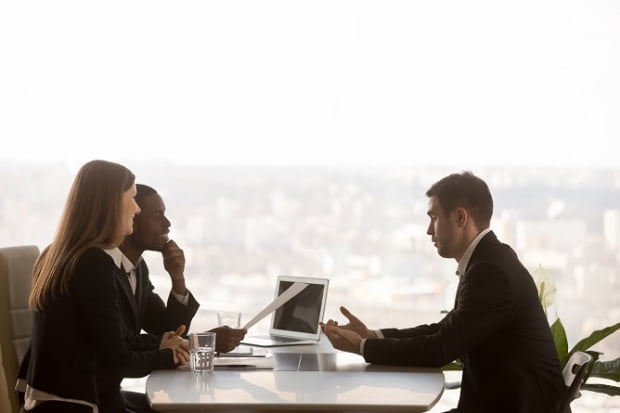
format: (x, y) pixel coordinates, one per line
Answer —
(174, 263)
(178, 345)
(343, 339)
(354, 324)
(226, 338)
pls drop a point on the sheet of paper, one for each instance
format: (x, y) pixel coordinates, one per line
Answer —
(290, 292)
(235, 363)
(248, 363)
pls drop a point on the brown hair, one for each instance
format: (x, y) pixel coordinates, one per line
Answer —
(91, 218)
(467, 191)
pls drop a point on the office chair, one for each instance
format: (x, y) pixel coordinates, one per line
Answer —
(5, 403)
(574, 375)
(15, 316)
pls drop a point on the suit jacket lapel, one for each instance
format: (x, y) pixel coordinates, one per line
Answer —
(140, 290)
(127, 294)
(484, 243)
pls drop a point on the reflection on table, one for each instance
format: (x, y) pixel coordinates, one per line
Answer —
(303, 378)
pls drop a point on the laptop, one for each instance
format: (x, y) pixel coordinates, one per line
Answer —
(296, 322)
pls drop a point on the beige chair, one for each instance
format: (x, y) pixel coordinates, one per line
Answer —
(15, 316)
(5, 403)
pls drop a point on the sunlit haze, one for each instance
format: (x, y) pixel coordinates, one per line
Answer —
(313, 82)
(300, 137)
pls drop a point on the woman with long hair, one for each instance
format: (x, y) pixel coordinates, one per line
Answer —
(77, 326)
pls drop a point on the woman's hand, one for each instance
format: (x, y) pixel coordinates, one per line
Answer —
(178, 345)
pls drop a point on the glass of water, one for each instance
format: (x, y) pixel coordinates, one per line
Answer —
(231, 319)
(201, 351)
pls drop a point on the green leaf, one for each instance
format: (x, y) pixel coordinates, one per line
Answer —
(561, 343)
(594, 338)
(607, 369)
(595, 356)
(455, 365)
(602, 388)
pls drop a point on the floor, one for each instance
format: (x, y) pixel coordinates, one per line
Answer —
(589, 402)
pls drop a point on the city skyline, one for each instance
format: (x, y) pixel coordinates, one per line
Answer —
(363, 227)
(300, 137)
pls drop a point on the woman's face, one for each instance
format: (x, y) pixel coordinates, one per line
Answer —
(129, 208)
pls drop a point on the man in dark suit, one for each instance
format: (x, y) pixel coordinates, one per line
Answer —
(497, 327)
(140, 307)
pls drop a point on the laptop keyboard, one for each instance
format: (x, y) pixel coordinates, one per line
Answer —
(279, 339)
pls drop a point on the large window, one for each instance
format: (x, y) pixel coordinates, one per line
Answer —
(300, 137)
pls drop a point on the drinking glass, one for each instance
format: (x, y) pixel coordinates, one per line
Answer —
(231, 319)
(202, 350)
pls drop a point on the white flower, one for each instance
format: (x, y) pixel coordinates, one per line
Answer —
(545, 284)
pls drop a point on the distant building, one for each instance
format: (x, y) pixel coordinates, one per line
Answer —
(611, 228)
(549, 233)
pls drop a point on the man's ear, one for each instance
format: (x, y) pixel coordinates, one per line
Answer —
(461, 217)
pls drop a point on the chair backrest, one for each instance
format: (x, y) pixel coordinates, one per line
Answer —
(574, 374)
(5, 402)
(15, 316)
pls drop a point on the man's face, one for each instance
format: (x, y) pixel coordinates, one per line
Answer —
(443, 229)
(151, 227)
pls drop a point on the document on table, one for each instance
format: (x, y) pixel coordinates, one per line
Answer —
(233, 363)
(290, 292)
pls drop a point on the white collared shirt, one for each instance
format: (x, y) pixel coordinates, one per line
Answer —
(123, 263)
(116, 255)
(460, 269)
(130, 269)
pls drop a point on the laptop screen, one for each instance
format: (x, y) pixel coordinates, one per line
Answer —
(300, 316)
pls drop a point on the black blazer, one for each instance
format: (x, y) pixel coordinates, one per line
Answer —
(499, 330)
(146, 311)
(78, 331)
(143, 311)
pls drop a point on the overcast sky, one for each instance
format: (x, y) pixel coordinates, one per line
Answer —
(463, 83)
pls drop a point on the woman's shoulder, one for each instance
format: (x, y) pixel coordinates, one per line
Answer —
(94, 260)
(95, 254)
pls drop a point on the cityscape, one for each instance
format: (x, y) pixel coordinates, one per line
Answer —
(364, 228)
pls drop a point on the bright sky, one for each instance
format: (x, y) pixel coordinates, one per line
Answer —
(312, 82)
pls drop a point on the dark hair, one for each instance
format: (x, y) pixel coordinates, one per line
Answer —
(467, 191)
(142, 191)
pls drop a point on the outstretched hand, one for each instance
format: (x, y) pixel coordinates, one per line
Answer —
(354, 324)
(349, 336)
(343, 339)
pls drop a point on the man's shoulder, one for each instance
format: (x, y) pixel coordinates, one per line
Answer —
(143, 279)
(490, 246)
(493, 256)
(143, 267)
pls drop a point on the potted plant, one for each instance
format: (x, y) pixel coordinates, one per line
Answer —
(609, 370)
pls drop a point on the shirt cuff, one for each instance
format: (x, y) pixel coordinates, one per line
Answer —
(363, 341)
(183, 299)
